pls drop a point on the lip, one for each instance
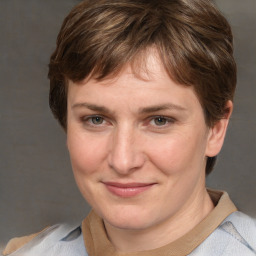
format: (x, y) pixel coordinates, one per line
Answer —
(127, 189)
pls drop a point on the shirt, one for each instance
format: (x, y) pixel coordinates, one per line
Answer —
(225, 231)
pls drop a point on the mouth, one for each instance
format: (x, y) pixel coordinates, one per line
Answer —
(127, 189)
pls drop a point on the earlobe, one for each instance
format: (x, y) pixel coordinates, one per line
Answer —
(218, 131)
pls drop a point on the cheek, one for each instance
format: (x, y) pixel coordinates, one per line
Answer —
(87, 156)
(86, 153)
(177, 154)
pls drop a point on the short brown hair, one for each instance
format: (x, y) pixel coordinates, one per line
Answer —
(193, 39)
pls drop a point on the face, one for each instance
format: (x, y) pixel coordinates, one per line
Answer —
(138, 146)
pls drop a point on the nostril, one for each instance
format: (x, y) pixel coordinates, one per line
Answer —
(126, 163)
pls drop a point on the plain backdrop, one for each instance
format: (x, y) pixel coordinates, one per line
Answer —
(36, 182)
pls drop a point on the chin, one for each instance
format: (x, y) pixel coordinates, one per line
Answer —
(127, 218)
(129, 224)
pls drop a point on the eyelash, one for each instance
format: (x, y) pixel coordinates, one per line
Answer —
(167, 121)
(88, 121)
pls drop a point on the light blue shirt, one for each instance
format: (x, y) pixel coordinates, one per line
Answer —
(236, 236)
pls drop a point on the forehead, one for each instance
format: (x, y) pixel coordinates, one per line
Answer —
(135, 87)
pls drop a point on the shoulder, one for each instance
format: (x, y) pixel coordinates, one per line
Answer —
(242, 228)
(235, 236)
(61, 239)
(15, 243)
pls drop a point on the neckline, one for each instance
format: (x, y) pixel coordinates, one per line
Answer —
(97, 242)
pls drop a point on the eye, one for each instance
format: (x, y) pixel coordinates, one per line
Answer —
(96, 120)
(160, 121)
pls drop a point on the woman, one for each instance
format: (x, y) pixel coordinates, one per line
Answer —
(144, 91)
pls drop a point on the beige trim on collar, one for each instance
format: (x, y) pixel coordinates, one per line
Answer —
(97, 243)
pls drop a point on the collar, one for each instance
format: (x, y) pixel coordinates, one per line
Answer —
(97, 242)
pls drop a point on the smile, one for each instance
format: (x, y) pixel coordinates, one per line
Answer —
(127, 189)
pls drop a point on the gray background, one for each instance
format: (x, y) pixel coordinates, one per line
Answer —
(36, 182)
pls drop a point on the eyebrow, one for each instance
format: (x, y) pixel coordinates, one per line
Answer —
(157, 108)
(144, 110)
(92, 107)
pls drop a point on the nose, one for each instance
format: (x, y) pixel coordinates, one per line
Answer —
(125, 154)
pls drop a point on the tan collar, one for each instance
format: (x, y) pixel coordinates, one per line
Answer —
(97, 243)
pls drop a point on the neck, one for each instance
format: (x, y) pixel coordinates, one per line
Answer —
(196, 209)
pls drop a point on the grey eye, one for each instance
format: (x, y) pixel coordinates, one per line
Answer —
(160, 121)
(97, 120)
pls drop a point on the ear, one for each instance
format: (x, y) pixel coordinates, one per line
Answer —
(217, 133)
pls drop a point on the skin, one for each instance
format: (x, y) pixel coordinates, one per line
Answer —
(114, 134)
